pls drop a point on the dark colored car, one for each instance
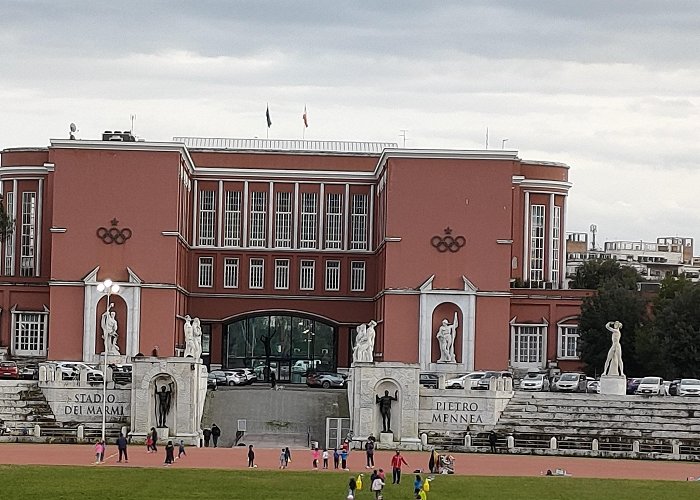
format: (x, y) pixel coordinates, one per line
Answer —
(429, 380)
(632, 384)
(673, 387)
(212, 381)
(326, 379)
(8, 369)
(219, 376)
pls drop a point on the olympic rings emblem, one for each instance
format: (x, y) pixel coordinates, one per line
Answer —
(113, 235)
(444, 243)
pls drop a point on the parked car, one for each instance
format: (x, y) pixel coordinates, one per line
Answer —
(592, 385)
(484, 382)
(246, 376)
(29, 371)
(219, 376)
(571, 382)
(234, 377)
(689, 387)
(8, 369)
(651, 386)
(212, 381)
(673, 387)
(121, 374)
(326, 379)
(304, 365)
(535, 381)
(468, 380)
(71, 371)
(632, 384)
(429, 380)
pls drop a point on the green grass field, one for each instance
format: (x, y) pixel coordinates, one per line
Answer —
(111, 483)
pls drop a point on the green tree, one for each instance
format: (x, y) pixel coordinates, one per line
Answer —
(671, 344)
(596, 273)
(613, 302)
(7, 223)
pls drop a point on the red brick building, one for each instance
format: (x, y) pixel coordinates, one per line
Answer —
(281, 248)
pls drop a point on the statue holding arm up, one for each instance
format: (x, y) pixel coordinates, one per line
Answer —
(384, 403)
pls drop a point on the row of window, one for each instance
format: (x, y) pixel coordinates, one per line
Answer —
(275, 224)
(281, 275)
(528, 344)
(537, 244)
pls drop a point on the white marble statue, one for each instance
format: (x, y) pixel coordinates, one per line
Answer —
(109, 331)
(197, 330)
(613, 363)
(363, 351)
(190, 345)
(446, 338)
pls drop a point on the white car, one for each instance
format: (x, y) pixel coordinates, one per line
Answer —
(689, 387)
(651, 386)
(571, 382)
(535, 382)
(70, 370)
(469, 380)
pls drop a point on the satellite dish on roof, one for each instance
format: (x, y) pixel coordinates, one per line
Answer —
(73, 130)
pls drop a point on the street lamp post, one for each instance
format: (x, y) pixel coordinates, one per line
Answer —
(109, 288)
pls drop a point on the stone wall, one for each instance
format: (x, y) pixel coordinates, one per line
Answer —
(452, 410)
(71, 403)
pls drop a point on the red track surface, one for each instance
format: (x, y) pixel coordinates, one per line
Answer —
(235, 458)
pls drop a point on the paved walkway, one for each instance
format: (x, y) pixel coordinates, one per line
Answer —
(235, 458)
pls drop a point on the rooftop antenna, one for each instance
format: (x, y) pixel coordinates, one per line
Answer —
(403, 135)
(594, 229)
(133, 119)
(503, 143)
(487, 137)
(73, 130)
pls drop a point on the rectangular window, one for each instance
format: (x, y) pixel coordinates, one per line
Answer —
(536, 245)
(556, 239)
(206, 272)
(306, 274)
(283, 220)
(357, 276)
(309, 215)
(359, 222)
(334, 221)
(232, 219)
(282, 274)
(28, 236)
(527, 345)
(257, 273)
(207, 213)
(29, 333)
(10, 240)
(258, 213)
(568, 342)
(332, 275)
(230, 273)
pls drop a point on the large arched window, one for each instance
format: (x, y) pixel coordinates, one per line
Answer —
(285, 344)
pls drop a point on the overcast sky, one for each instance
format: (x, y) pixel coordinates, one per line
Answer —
(609, 87)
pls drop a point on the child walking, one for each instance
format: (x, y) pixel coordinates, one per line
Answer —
(336, 458)
(181, 449)
(324, 455)
(314, 455)
(283, 459)
(251, 457)
(98, 451)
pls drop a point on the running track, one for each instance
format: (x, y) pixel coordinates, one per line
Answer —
(236, 458)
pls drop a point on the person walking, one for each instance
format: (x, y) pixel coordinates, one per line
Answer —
(154, 436)
(121, 446)
(283, 459)
(344, 459)
(98, 451)
(396, 462)
(336, 458)
(314, 455)
(377, 486)
(287, 456)
(324, 456)
(181, 449)
(169, 453)
(102, 451)
(215, 433)
(369, 450)
(251, 457)
(417, 484)
(352, 486)
(273, 380)
(206, 434)
(493, 439)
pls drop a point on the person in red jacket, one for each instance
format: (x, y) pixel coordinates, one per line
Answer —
(396, 462)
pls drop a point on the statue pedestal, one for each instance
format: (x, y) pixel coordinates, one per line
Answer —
(386, 437)
(613, 384)
(163, 433)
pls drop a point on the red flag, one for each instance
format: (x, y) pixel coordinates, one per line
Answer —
(306, 122)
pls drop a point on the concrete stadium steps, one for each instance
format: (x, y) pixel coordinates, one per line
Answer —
(595, 416)
(289, 417)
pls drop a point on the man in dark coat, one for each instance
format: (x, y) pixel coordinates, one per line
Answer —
(215, 433)
(206, 433)
(121, 446)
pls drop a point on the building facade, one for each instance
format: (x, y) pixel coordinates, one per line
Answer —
(282, 248)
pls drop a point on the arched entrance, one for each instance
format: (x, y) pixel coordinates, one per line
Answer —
(289, 344)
